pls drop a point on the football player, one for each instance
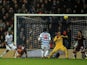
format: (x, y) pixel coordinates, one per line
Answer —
(20, 51)
(9, 43)
(58, 39)
(45, 41)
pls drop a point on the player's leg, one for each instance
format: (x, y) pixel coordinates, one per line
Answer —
(42, 51)
(75, 54)
(53, 52)
(65, 50)
(25, 51)
(75, 51)
(18, 55)
(7, 49)
(13, 47)
(46, 51)
(15, 53)
(83, 52)
(4, 53)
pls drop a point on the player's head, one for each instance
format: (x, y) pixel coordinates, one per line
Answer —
(79, 32)
(58, 33)
(64, 33)
(44, 29)
(10, 32)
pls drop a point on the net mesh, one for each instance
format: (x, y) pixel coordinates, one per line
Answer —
(79, 25)
(29, 28)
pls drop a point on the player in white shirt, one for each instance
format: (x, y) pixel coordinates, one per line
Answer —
(9, 43)
(45, 42)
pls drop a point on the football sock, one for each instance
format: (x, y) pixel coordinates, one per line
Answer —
(46, 53)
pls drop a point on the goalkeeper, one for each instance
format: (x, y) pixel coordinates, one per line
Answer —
(58, 39)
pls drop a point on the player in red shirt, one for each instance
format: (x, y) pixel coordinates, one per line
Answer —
(21, 50)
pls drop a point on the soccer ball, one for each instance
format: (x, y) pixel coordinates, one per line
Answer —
(65, 17)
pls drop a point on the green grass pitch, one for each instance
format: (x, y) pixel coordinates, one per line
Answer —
(39, 61)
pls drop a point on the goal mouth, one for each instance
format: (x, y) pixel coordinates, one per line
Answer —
(33, 21)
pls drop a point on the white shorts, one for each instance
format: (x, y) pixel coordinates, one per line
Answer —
(11, 47)
(47, 47)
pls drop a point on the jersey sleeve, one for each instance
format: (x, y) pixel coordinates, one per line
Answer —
(55, 39)
(5, 38)
(39, 38)
(49, 37)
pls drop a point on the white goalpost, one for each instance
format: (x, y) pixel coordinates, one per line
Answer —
(15, 19)
(28, 18)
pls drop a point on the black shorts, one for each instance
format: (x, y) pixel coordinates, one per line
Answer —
(79, 47)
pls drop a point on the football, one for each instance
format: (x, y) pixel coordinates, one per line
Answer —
(65, 17)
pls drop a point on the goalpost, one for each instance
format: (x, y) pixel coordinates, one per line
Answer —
(29, 21)
(32, 25)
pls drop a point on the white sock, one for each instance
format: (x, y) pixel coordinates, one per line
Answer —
(46, 53)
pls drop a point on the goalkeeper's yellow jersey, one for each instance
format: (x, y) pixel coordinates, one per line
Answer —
(58, 41)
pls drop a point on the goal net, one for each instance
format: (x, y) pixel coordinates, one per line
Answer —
(29, 26)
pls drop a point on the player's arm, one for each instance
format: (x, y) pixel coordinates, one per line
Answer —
(64, 36)
(78, 38)
(56, 39)
(39, 39)
(49, 37)
(25, 50)
(81, 37)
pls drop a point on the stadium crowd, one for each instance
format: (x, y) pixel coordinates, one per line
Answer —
(9, 7)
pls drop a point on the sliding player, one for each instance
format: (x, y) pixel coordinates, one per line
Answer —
(20, 51)
(58, 39)
(9, 43)
(45, 40)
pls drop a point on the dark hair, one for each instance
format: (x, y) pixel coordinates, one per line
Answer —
(10, 32)
(80, 31)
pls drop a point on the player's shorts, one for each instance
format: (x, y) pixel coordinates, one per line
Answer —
(45, 47)
(78, 48)
(11, 47)
(62, 48)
